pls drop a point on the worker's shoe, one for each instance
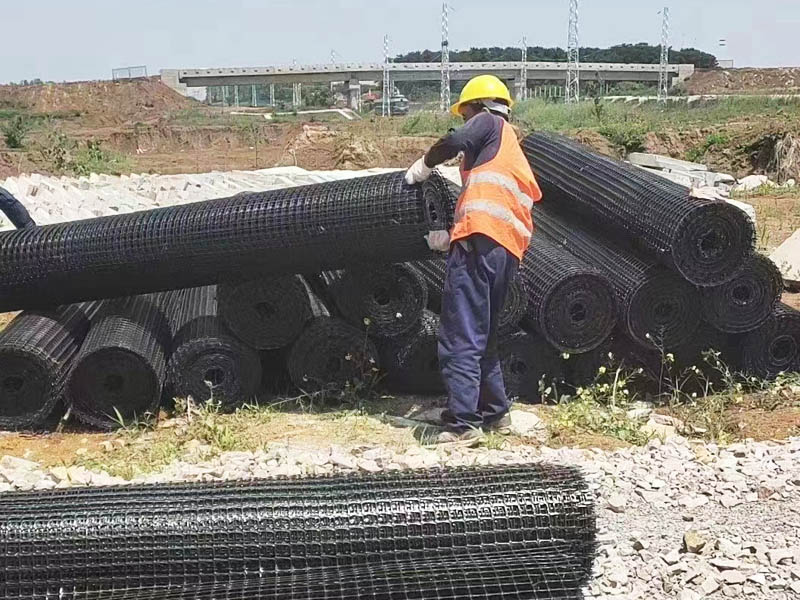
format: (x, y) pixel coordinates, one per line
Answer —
(501, 426)
(468, 438)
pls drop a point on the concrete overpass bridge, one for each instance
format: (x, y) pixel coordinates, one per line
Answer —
(352, 74)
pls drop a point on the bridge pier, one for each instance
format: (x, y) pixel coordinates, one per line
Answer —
(353, 87)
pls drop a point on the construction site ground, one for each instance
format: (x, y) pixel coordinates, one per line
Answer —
(147, 127)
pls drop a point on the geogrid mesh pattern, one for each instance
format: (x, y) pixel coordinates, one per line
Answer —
(433, 271)
(747, 300)
(512, 532)
(121, 366)
(36, 352)
(526, 360)
(386, 301)
(705, 240)
(411, 361)
(207, 361)
(303, 229)
(774, 347)
(329, 354)
(569, 303)
(266, 313)
(651, 299)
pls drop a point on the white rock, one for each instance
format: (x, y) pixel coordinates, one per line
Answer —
(17, 464)
(752, 182)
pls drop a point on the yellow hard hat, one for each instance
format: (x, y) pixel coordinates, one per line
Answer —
(482, 87)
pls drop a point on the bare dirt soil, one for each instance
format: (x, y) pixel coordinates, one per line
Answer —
(745, 81)
(97, 102)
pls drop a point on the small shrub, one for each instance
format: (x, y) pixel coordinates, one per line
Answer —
(16, 130)
(629, 135)
(95, 159)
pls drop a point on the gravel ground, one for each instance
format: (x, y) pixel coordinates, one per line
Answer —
(677, 519)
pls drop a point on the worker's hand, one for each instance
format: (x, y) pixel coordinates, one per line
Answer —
(438, 241)
(418, 172)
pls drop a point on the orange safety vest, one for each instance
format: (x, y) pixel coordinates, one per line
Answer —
(497, 198)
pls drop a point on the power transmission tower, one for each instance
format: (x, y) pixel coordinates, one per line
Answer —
(444, 95)
(523, 76)
(572, 92)
(663, 74)
(385, 96)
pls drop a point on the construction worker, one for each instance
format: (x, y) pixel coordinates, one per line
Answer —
(15, 211)
(492, 229)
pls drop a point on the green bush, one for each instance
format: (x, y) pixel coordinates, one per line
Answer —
(628, 135)
(94, 159)
(16, 130)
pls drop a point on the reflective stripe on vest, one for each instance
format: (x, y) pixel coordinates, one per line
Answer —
(503, 181)
(495, 210)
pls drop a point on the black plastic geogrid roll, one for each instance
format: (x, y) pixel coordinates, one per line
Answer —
(528, 360)
(208, 362)
(411, 361)
(386, 300)
(570, 303)
(433, 271)
(774, 347)
(265, 313)
(747, 300)
(329, 354)
(303, 229)
(652, 300)
(705, 240)
(36, 352)
(512, 532)
(120, 370)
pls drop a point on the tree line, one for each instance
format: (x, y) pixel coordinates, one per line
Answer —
(623, 53)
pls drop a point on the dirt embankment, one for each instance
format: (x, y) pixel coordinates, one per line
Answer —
(745, 81)
(98, 102)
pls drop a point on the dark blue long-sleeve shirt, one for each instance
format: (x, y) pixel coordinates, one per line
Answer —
(479, 139)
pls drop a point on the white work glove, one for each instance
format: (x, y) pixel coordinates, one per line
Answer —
(418, 172)
(438, 241)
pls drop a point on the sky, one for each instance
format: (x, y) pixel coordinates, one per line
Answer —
(69, 40)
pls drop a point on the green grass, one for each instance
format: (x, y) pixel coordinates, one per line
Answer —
(649, 116)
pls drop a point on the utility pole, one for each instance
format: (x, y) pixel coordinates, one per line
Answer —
(663, 73)
(444, 95)
(523, 76)
(572, 92)
(386, 109)
(297, 94)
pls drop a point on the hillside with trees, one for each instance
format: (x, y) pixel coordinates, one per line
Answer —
(622, 53)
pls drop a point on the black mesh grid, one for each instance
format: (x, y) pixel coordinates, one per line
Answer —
(569, 303)
(266, 313)
(511, 532)
(386, 301)
(747, 300)
(207, 361)
(433, 271)
(705, 240)
(329, 354)
(36, 352)
(411, 361)
(121, 366)
(774, 347)
(304, 229)
(651, 299)
(527, 360)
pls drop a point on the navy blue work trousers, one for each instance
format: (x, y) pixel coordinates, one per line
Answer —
(475, 289)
